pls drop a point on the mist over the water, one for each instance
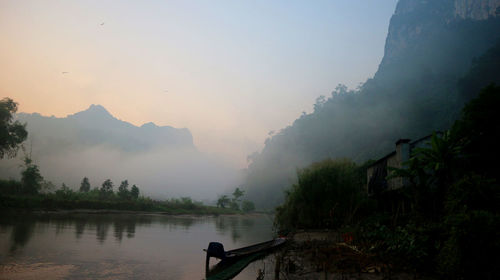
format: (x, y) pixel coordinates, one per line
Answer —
(96, 145)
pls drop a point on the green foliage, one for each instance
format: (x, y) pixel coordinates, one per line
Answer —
(223, 201)
(12, 133)
(47, 187)
(407, 245)
(430, 171)
(454, 184)
(10, 186)
(85, 185)
(471, 249)
(123, 191)
(64, 192)
(328, 194)
(106, 190)
(234, 206)
(479, 132)
(473, 192)
(234, 203)
(134, 192)
(187, 203)
(92, 200)
(247, 206)
(412, 94)
(31, 179)
(237, 194)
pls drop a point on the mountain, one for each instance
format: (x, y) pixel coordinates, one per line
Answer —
(437, 55)
(438, 37)
(96, 126)
(161, 160)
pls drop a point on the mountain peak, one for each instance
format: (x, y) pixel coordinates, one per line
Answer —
(97, 109)
(95, 113)
(149, 125)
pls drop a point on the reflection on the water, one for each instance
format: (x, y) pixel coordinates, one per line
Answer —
(100, 225)
(21, 234)
(148, 245)
(123, 225)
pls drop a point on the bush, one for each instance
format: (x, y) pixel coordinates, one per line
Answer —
(328, 194)
(247, 206)
(471, 249)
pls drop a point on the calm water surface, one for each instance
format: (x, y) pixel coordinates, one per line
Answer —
(122, 246)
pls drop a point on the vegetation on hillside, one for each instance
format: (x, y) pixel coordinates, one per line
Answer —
(420, 89)
(451, 224)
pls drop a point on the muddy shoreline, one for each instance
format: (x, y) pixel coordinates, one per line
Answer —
(326, 255)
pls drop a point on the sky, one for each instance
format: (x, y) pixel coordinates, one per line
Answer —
(229, 71)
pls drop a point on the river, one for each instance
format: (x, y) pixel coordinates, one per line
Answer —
(122, 246)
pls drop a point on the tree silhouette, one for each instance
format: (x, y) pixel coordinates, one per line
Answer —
(237, 194)
(12, 133)
(85, 185)
(31, 179)
(107, 188)
(123, 191)
(223, 201)
(247, 206)
(134, 192)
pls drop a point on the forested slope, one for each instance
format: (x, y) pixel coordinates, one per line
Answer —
(436, 58)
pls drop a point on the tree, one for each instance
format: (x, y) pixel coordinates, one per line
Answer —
(235, 206)
(237, 194)
(247, 206)
(107, 188)
(430, 171)
(123, 191)
(12, 133)
(85, 185)
(31, 179)
(47, 187)
(64, 192)
(134, 192)
(223, 201)
(479, 133)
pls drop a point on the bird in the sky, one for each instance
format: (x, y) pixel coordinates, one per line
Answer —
(102, 23)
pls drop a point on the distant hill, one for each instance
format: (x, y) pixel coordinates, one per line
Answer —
(161, 160)
(437, 54)
(96, 126)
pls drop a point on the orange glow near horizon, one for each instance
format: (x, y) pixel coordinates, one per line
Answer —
(230, 72)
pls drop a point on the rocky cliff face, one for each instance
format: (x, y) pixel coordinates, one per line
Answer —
(430, 33)
(463, 9)
(476, 9)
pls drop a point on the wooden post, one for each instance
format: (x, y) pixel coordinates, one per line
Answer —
(207, 264)
(277, 267)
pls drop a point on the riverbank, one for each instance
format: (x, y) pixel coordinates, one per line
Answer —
(50, 202)
(327, 255)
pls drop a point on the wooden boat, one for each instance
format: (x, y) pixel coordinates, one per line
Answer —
(234, 261)
(228, 270)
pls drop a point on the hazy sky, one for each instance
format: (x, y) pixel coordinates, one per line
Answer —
(230, 71)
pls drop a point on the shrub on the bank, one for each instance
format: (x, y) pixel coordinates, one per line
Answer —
(328, 194)
(471, 249)
(247, 206)
(407, 245)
